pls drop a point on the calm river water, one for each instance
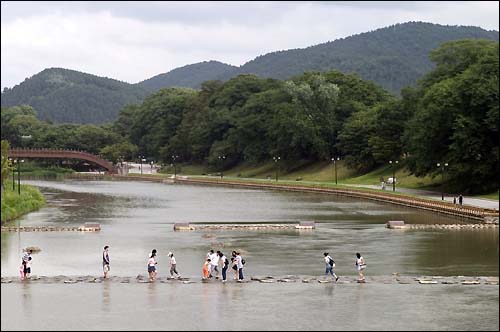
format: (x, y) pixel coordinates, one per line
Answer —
(138, 216)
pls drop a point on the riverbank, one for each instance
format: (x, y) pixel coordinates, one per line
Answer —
(15, 205)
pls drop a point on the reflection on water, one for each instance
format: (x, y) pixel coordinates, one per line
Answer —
(137, 217)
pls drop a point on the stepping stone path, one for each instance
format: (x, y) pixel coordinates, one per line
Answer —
(344, 280)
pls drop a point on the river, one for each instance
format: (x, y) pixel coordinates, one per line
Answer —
(138, 216)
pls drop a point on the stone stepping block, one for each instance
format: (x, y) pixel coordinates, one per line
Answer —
(70, 281)
(286, 280)
(449, 282)
(471, 282)
(427, 282)
(266, 280)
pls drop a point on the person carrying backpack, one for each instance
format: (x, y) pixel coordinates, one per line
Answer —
(330, 264)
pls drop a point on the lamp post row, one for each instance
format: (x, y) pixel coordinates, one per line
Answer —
(18, 162)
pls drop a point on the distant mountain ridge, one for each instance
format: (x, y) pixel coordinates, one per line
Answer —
(188, 76)
(393, 57)
(69, 96)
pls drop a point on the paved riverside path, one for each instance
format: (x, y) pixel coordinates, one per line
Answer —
(468, 200)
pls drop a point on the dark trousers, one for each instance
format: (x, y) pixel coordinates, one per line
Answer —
(224, 269)
(240, 273)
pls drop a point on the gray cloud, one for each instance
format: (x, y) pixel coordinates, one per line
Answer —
(132, 41)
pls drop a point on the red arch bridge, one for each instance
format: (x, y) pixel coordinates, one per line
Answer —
(63, 154)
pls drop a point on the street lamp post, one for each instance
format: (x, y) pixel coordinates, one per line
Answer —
(393, 173)
(19, 175)
(174, 158)
(334, 160)
(141, 159)
(442, 178)
(276, 160)
(13, 161)
(222, 158)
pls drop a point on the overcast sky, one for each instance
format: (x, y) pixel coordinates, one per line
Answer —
(133, 41)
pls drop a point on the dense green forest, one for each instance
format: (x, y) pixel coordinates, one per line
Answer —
(68, 96)
(451, 116)
(392, 57)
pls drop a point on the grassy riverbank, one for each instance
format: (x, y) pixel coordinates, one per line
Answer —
(15, 205)
(30, 170)
(323, 172)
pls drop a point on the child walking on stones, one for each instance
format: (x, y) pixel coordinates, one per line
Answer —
(173, 265)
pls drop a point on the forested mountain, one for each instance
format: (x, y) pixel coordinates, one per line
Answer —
(392, 57)
(68, 96)
(189, 76)
(451, 116)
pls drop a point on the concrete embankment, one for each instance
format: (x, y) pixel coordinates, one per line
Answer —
(469, 212)
(399, 224)
(395, 278)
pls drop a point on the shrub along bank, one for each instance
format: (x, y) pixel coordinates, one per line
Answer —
(15, 205)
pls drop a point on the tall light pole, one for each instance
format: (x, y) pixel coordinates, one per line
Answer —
(13, 161)
(19, 175)
(442, 178)
(276, 160)
(393, 173)
(141, 159)
(334, 160)
(221, 159)
(174, 158)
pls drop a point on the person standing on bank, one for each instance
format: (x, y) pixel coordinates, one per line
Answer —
(460, 200)
(360, 265)
(329, 265)
(105, 261)
(173, 265)
(152, 265)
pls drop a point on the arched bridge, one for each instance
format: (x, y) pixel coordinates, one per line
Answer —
(62, 154)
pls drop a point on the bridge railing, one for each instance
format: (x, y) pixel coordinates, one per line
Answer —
(61, 153)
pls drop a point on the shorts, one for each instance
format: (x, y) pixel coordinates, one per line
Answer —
(105, 267)
(151, 269)
(27, 270)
